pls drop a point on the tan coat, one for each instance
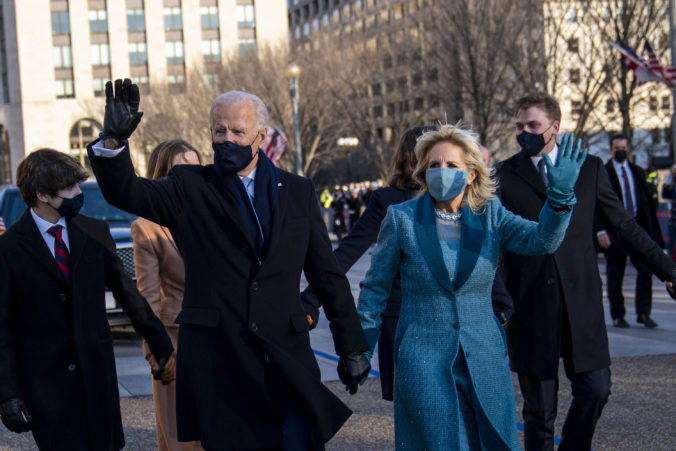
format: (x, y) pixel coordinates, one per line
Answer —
(160, 276)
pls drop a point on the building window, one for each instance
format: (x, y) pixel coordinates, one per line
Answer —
(174, 51)
(247, 47)
(378, 111)
(433, 75)
(212, 80)
(571, 15)
(416, 80)
(376, 89)
(419, 103)
(211, 50)
(306, 28)
(666, 103)
(574, 76)
(335, 17)
(652, 103)
(390, 109)
(99, 86)
(176, 83)
(398, 12)
(610, 106)
(573, 44)
(64, 89)
(63, 56)
(576, 107)
(142, 83)
(209, 15)
(357, 6)
(315, 24)
(98, 20)
(296, 33)
(245, 16)
(60, 22)
(100, 54)
(138, 53)
(136, 20)
(384, 16)
(172, 19)
(656, 135)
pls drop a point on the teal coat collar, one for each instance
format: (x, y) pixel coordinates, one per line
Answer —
(471, 242)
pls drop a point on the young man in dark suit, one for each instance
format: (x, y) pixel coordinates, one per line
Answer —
(629, 183)
(57, 368)
(247, 377)
(558, 298)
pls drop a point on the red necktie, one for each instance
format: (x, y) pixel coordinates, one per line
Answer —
(628, 201)
(60, 251)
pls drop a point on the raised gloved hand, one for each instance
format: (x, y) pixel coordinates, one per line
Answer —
(15, 415)
(122, 115)
(563, 175)
(353, 368)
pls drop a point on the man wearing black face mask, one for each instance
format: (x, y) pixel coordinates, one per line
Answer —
(247, 377)
(558, 309)
(629, 183)
(57, 368)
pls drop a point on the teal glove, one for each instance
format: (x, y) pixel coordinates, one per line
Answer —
(563, 176)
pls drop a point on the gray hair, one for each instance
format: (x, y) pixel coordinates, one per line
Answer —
(232, 97)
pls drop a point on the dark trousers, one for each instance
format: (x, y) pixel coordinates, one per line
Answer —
(590, 393)
(296, 419)
(615, 266)
(388, 330)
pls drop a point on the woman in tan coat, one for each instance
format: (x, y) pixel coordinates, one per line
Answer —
(160, 278)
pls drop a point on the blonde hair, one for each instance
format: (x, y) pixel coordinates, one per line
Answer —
(483, 187)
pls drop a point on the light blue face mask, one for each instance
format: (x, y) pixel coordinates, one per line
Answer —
(446, 183)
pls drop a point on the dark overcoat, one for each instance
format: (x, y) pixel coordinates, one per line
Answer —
(242, 320)
(56, 350)
(543, 285)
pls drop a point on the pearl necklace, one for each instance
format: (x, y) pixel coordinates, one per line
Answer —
(448, 216)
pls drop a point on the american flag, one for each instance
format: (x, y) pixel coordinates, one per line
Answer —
(2, 226)
(274, 146)
(648, 68)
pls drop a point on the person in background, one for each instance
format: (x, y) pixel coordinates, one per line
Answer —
(338, 205)
(160, 277)
(669, 192)
(630, 184)
(453, 389)
(402, 187)
(57, 367)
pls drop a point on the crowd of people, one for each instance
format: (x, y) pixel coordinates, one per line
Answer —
(476, 269)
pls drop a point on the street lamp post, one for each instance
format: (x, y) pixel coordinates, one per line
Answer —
(292, 73)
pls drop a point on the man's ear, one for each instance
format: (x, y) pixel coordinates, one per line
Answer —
(42, 197)
(555, 127)
(264, 135)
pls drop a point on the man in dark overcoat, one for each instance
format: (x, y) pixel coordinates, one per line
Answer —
(247, 377)
(557, 298)
(57, 368)
(630, 184)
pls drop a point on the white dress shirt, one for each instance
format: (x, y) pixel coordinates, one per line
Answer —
(43, 226)
(553, 156)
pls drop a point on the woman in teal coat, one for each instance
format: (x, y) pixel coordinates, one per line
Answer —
(453, 389)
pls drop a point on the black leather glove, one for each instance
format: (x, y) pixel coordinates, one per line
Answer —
(353, 368)
(15, 415)
(122, 115)
(157, 375)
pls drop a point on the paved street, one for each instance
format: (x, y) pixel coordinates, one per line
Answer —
(639, 415)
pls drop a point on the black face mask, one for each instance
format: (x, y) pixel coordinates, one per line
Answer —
(620, 155)
(231, 158)
(532, 144)
(70, 207)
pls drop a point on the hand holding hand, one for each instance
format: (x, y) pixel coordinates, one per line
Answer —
(563, 175)
(671, 284)
(163, 370)
(15, 415)
(122, 115)
(353, 368)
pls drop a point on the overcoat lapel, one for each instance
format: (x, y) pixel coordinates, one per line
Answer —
(229, 203)
(77, 240)
(278, 209)
(527, 172)
(34, 244)
(428, 239)
(471, 241)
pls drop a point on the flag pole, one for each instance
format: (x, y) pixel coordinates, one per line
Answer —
(672, 42)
